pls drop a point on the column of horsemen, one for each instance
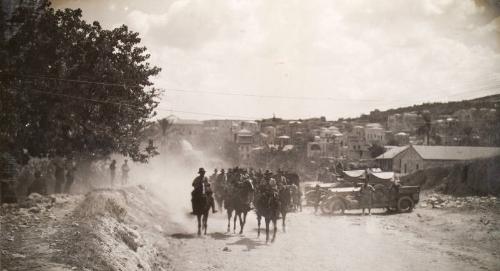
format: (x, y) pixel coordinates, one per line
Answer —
(239, 190)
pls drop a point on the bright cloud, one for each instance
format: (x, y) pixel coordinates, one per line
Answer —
(382, 53)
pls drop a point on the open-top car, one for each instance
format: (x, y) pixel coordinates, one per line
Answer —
(388, 194)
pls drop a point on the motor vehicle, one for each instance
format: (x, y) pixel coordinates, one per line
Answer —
(324, 187)
(390, 195)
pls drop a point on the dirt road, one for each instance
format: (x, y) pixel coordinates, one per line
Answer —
(130, 229)
(422, 240)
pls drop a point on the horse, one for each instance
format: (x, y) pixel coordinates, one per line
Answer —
(219, 194)
(239, 200)
(201, 207)
(267, 205)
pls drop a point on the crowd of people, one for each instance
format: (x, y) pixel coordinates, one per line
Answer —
(58, 175)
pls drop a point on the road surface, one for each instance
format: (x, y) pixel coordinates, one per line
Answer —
(350, 242)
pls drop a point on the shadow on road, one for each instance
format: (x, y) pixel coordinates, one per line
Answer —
(249, 243)
(183, 235)
(384, 213)
(219, 236)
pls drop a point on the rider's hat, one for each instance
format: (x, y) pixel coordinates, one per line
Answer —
(201, 170)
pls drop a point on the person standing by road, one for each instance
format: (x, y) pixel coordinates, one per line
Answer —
(39, 185)
(112, 172)
(316, 197)
(125, 171)
(366, 197)
(70, 175)
(58, 174)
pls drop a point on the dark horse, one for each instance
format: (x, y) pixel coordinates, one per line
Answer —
(239, 200)
(201, 207)
(267, 205)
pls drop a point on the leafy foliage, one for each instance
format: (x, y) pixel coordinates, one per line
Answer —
(50, 102)
(375, 150)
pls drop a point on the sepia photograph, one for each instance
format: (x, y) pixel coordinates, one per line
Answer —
(249, 135)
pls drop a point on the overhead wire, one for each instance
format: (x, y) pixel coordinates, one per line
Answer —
(135, 107)
(495, 84)
(483, 88)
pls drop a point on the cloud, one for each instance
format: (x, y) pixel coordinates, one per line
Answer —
(389, 52)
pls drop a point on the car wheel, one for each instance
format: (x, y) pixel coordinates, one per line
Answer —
(325, 208)
(337, 206)
(405, 204)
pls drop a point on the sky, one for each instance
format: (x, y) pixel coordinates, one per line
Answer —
(242, 59)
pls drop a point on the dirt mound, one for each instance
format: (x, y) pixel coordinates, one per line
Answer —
(118, 230)
(477, 178)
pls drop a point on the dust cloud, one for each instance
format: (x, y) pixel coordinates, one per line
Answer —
(169, 176)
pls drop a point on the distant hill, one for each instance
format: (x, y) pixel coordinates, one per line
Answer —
(448, 108)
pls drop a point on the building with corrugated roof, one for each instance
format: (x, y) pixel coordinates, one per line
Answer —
(418, 157)
(389, 160)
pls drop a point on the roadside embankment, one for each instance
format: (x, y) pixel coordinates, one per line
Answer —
(107, 229)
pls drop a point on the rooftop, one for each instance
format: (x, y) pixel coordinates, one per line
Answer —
(392, 152)
(455, 152)
(187, 122)
(244, 132)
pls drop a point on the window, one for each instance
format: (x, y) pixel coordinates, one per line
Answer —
(417, 166)
(405, 168)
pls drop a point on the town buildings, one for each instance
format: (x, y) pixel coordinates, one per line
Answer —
(350, 141)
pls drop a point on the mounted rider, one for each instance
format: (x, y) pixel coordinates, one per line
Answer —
(214, 175)
(202, 188)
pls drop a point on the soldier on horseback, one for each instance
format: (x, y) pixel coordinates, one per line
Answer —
(202, 188)
(219, 188)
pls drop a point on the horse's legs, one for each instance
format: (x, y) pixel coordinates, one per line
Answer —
(234, 221)
(244, 221)
(267, 229)
(258, 225)
(219, 203)
(205, 220)
(229, 214)
(283, 216)
(241, 216)
(198, 216)
(275, 229)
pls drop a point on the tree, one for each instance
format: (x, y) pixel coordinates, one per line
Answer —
(376, 150)
(165, 125)
(377, 116)
(393, 142)
(468, 139)
(73, 88)
(425, 128)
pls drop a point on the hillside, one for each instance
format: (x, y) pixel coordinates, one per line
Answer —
(438, 108)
